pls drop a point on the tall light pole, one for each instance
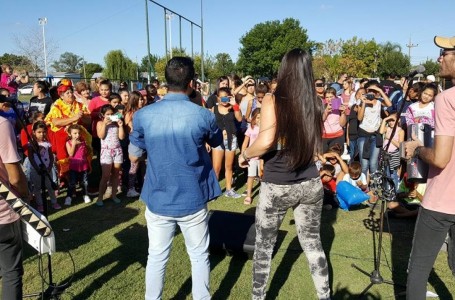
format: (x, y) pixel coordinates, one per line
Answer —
(149, 62)
(202, 46)
(169, 19)
(42, 22)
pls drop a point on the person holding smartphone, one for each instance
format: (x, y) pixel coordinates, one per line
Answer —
(334, 117)
(369, 117)
(226, 113)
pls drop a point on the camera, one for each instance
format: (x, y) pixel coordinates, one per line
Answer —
(369, 96)
(225, 99)
(115, 117)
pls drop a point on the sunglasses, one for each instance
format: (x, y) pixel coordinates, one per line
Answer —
(444, 52)
(319, 85)
(248, 85)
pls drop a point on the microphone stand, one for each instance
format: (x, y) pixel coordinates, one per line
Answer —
(53, 291)
(384, 189)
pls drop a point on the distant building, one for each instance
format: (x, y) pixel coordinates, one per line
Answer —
(54, 77)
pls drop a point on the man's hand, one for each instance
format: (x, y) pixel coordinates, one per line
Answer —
(243, 163)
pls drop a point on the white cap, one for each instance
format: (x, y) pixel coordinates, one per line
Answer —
(431, 78)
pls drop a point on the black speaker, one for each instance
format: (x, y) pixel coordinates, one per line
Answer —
(231, 232)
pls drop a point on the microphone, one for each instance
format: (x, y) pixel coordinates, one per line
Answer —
(419, 69)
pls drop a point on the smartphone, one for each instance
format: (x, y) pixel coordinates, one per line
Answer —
(336, 103)
(225, 99)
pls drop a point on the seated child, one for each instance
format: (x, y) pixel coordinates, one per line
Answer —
(327, 174)
(355, 176)
(333, 157)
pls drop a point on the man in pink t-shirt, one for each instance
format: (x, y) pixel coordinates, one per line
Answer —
(437, 214)
(11, 269)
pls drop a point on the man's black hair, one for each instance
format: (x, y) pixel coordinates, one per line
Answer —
(179, 73)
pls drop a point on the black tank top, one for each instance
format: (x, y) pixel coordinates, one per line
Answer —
(277, 171)
(226, 122)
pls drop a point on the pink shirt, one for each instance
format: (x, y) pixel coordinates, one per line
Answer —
(79, 161)
(252, 133)
(396, 137)
(439, 195)
(8, 81)
(8, 154)
(332, 127)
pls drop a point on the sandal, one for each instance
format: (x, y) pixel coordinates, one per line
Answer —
(247, 201)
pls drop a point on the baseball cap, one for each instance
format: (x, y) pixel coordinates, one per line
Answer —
(337, 88)
(445, 42)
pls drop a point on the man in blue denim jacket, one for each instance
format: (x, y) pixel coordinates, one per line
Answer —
(179, 180)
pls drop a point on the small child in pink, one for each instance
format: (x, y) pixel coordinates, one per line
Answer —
(251, 135)
(78, 163)
(10, 80)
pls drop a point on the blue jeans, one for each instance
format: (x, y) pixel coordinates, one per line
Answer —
(430, 232)
(161, 231)
(75, 177)
(352, 148)
(372, 162)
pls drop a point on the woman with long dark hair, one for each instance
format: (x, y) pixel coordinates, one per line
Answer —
(289, 137)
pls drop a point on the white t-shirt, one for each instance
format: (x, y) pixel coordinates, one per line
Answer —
(423, 114)
(371, 118)
(353, 182)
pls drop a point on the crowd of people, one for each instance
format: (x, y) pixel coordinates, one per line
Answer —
(298, 136)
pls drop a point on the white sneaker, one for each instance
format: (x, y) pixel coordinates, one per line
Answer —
(132, 193)
(87, 199)
(119, 190)
(68, 201)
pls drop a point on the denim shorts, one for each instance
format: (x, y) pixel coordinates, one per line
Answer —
(225, 145)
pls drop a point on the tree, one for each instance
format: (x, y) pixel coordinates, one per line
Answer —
(17, 62)
(144, 62)
(329, 48)
(92, 68)
(431, 67)
(366, 53)
(30, 45)
(222, 65)
(68, 62)
(160, 64)
(265, 44)
(119, 66)
(392, 60)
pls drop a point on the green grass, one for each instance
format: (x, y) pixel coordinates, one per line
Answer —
(109, 248)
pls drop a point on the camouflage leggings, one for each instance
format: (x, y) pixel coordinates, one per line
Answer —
(274, 201)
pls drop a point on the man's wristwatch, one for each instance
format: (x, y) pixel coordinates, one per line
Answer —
(417, 151)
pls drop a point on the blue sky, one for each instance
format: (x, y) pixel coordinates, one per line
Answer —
(93, 28)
